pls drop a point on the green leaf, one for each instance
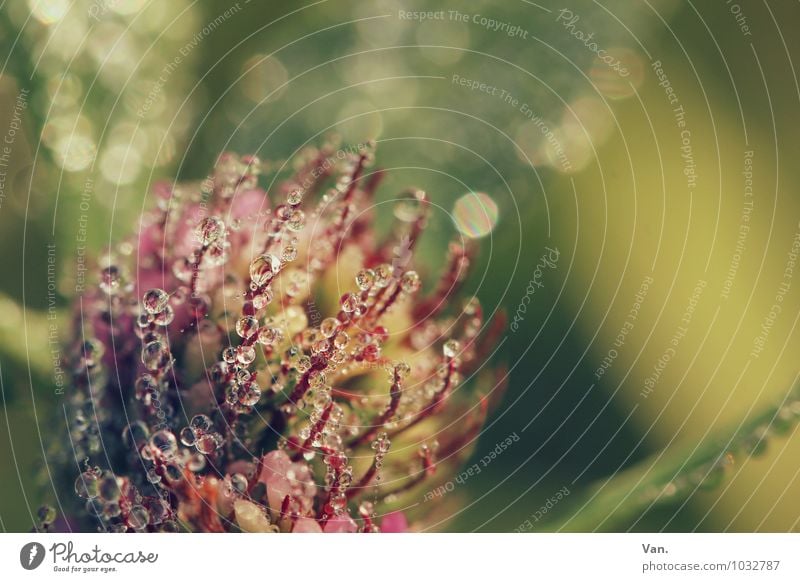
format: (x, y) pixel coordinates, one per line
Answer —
(675, 474)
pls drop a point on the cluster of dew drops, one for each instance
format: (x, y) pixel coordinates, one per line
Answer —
(313, 356)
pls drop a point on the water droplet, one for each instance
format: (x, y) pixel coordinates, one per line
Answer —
(231, 394)
(349, 302)
(169, 527)
(110, 279)
(451, 348)
(472, 306)
(410, 282)
(249, 394)
(328, 326)
(138, 517)
(246, 327)
(296, 220)
(316, 379)
(322, 400)
(261, 300)
(229, 355)
(295, 197)
(383, 275)
(109, 488)
(303, 364)
(165, 317)
(239, 483)
(208, 443)
(146, 387)
(341, 340)
(263, 269)
(319, 347)
(86, 485)
(164, 441)
(268, 336)
(144, 320)
(155, 301)
(155, 355)
(245, 355)
(201, 424)
(381, 445)
(217, 254)
(402, 369)
(412, 208)
(153, 477)
(187, 436)
(365, 279)
(756, 444)
(289, 253)
(210, 230)
(784, 421)
(91, 352)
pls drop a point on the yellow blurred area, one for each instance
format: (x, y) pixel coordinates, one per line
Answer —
(712, 343)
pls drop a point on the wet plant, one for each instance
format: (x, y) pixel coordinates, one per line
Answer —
(257, 357)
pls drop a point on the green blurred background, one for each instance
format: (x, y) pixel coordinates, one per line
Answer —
(113, 94)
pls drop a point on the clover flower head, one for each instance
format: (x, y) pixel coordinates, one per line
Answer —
(259, 358)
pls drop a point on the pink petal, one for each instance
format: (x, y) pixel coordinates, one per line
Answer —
(306, 525)
(278, 487)
(341, 524)
(394, 522)
(275, 466)
(274, 463)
